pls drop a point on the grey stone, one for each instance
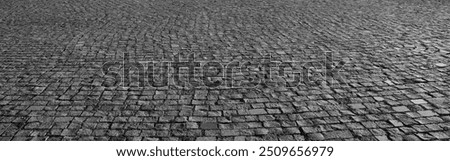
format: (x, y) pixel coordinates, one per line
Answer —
(401, 109)
(209, 125)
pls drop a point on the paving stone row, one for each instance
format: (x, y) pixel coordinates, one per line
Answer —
(393, 84)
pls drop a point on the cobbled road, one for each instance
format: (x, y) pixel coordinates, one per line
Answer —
(393, 77)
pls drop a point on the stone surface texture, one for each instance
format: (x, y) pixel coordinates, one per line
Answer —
(52, 86)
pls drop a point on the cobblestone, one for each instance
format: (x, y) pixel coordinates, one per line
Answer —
(401, 109)
(393, 84)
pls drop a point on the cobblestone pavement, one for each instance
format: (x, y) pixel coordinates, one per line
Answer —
(395, 79)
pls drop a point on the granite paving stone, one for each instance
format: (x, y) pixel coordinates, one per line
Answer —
(325, 70)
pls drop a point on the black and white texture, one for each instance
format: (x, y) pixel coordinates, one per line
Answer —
(393, 78)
